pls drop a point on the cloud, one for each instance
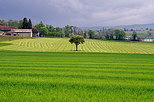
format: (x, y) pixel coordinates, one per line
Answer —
(80, 12)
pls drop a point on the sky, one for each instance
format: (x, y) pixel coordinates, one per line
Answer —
(81, 13)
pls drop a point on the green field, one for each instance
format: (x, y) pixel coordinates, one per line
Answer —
(49, 70)
(9, 38)
(63, 45)
(76, 77)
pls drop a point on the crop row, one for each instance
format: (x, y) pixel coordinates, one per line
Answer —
(62, 45)
(67, 76)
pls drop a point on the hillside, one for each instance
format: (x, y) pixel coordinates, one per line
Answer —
(135, 26)
(142, 34)
(63, 45)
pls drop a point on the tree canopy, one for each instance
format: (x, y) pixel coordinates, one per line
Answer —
(134, 36)
(119, 34)
(68, 30)
(91, 34)
(26, 24)
(43, 31)
(30, 24)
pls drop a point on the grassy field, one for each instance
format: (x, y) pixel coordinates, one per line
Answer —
(9, 38)
(49, 70)
(76, 77)
(63, 45)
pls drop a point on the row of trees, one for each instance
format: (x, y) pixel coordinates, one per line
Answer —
(50, 31)
(115, 34)
(45, 30)
(11, 23)
(68, 30)
(21, 24)
(108, 34)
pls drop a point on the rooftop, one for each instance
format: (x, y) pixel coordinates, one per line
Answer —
(21, 30)
(3, 28)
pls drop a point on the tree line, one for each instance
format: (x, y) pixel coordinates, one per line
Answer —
(68, 30)
(21, 24)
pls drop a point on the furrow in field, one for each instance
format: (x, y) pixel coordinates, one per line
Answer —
(67, 75)
(60, 45)
(75, 77)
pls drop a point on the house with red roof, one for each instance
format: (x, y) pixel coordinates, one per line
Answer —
(12, 31)
(6, 28)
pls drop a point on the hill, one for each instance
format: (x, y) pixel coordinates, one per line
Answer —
(63, 45)
(135, 26)
(141, 34)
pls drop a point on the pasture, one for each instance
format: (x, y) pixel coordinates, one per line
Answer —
(63, 45)
(76, 77)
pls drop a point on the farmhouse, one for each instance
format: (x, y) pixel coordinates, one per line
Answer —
(11, 31)
(22, 32)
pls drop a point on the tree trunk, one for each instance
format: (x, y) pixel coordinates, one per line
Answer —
(76, 47)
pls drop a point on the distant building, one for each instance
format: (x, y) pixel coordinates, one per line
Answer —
(148, 40)
(151, 29)
(11, 31)
(128, 38)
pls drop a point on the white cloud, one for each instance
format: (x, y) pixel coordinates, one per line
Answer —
(81, 12)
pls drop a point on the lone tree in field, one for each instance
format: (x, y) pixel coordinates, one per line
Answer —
(77, 40)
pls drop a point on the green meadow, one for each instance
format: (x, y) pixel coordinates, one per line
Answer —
(49, 70)
(63, 45)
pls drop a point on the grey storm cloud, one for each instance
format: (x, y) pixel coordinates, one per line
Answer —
(80, 12)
